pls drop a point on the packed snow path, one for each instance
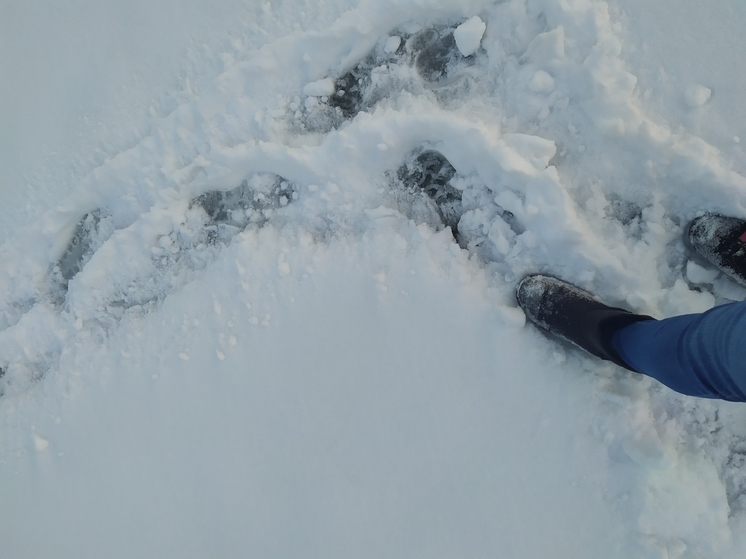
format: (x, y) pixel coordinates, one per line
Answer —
(282, 322)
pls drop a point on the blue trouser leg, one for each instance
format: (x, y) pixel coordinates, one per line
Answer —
(695, 354)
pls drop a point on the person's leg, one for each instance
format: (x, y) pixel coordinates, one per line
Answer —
(697, 354)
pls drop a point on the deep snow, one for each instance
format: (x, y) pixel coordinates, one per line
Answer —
(343, 377)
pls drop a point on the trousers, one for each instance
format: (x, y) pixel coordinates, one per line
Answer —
(700, 355)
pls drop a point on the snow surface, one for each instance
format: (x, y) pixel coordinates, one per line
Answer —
(341, 377)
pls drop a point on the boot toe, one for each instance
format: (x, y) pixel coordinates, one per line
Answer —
(573, 315)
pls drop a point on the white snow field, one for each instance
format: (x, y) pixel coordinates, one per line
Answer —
(236, 321)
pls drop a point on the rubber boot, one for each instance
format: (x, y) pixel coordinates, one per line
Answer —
(722, 241)
(574, 315)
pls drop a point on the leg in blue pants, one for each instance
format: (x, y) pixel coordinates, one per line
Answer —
(696, 354)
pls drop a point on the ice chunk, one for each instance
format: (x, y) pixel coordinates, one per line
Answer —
(392, 44)
(542, 82)
(41, 443)
(539, 151)
(697, 95)
(283, 268)
(512, 316)
(469, 34)
(319, 88)
(699, 274)
(546, 46)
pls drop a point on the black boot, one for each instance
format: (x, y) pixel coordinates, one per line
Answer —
(574, 315)
(722, 241)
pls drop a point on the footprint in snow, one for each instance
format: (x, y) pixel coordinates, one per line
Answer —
(221, 216)
(431, 56)
(432, 52)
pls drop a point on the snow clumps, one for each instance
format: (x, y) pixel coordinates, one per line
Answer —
(697, 95)
(392, 44)
(469, 34)
(542, 82)
(319, 88)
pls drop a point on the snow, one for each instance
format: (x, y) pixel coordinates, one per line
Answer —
(697, 95)
(319, 88)
(392, 44)
(41, 443)
(469, 34)
(542, 82)
(699, 274)
(325, 370)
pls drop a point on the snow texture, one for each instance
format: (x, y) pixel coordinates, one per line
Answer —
(259, 263)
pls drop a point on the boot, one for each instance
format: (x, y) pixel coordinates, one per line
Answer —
(722, 241)
(574, 315)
